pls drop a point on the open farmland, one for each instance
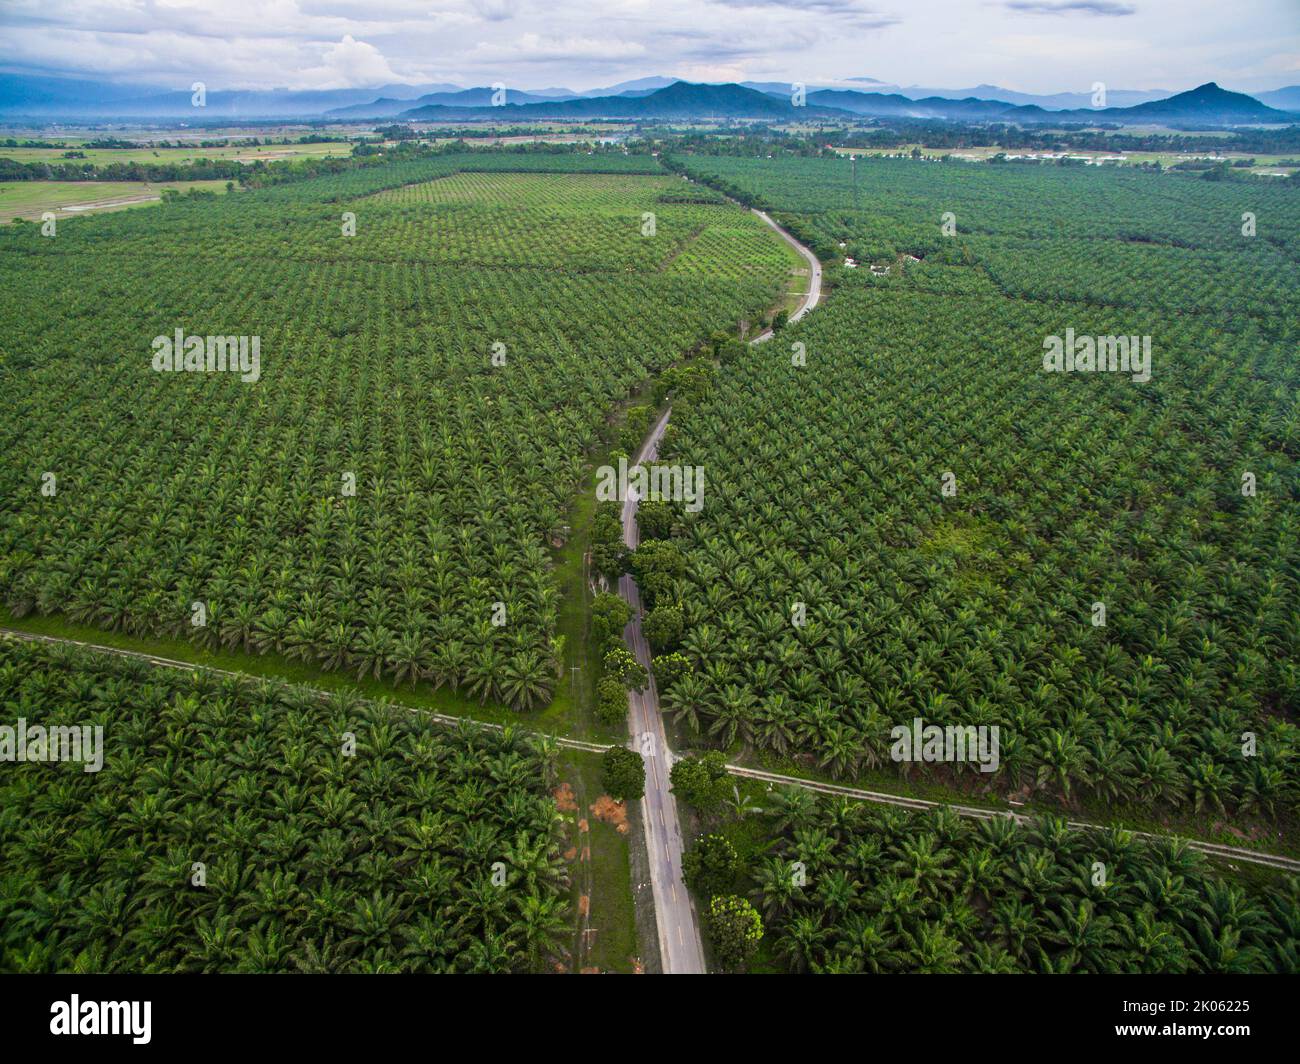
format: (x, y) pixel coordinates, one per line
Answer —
(29, 200)
(149, 154)
(921, 522)
(1261, 162)
(382, 498)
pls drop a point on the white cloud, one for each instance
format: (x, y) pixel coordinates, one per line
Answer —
(536, 48)
(1072, 7)
(353, 64)
(336, 43)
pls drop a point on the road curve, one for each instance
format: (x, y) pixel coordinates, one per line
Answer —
(814, 292)
(680, 948)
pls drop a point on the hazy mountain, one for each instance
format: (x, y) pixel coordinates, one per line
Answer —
(776, 88)
(893, 105)
(56, 97)
(1058, 101)
(1287, 99)
(1206, 105)
(917, 93)
(272, 103)
(39, 96)
(388, 107)
(412, 92)
(384, 107)
(641, 86)
(679, 100)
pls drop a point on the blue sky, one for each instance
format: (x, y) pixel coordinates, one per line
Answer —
(1029, 45)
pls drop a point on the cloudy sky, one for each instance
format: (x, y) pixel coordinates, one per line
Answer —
(1029, 45)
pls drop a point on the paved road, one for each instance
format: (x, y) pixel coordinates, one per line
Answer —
(680, 949)
(814, 293)
(679, 934)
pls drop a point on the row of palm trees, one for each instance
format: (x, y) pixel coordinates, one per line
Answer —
(887, 890)
(384, 490)
(881, 208)
(336, 837)
(970, 540)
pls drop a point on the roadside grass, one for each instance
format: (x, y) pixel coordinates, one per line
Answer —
(612, 943)
(552, 720)
(800, 281)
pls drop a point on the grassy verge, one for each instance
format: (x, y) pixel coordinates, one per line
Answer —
(552, 720)
(800, 281)
(606, 940)
(752, 838)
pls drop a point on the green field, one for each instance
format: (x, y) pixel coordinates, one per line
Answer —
(844, 887)
(234, 826)
(394, 499)
(976, 606)
(161, 156)
(31, 199)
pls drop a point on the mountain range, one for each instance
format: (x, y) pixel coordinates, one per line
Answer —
(1206, 105)
(680, 100)
(650, 98)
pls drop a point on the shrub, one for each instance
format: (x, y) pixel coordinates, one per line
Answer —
(735, 929)
(663, 627)
(611, 701)
(623, 774)
(711, 866)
